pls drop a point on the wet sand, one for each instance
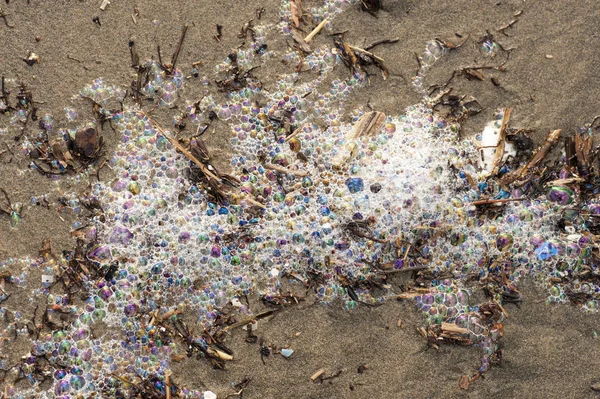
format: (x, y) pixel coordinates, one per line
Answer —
(550, 80)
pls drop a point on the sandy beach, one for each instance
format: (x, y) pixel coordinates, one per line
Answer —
(546, 72)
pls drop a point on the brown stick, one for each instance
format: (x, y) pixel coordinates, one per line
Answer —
(540, 154)
(192, 158)
(382, 41)
(501, 308)
(185, 152)
(496, 201)
(360, 50)
(168, 383)
(178, 49)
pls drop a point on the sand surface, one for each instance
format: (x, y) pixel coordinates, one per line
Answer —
(551, 81)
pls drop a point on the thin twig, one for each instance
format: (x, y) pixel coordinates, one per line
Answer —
(182, 149)
(354, 48)
(496, 201)
(249, 320)
(178, 49)
(382, 41)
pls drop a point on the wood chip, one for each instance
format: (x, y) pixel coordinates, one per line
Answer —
(296, 9)
(317, 374)
(220, 354)
(454, 328)
(368, 125)
(302, 45)
(287, 171)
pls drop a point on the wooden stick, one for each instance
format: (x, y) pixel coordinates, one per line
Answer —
(249, 320)
(176, 54)
(220, 354)
(281, 169)
(294, 134)
(405, 295)
(382, 41)
(540, 154)
(406, 253)
(317, 374)
(312, 34)
(454, 328)
(501, 308)
(501, 141)
(168, 383)
(254, 202)
(354, 48)
(496, 201)
(562, 182)
(192, 158)
(185, 152)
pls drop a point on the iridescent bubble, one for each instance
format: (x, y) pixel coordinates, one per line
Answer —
(134, 187)
(489, 47)
(62, 387)
(131, 310)
(224, 113)
(98, 314)
(77, 382)
(60, 374)
(121, 235)
(355, 184)
(64, 347)
(457, 238)
(282, 160)
(561, 195)
(504, 241)
(59, 336)
(80, 334)
(463, 297)
(235, 109)
(295, 144)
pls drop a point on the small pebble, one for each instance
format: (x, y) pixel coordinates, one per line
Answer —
(209, 395)
(287, 353)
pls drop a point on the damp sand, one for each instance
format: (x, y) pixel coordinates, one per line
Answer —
(550, 81)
